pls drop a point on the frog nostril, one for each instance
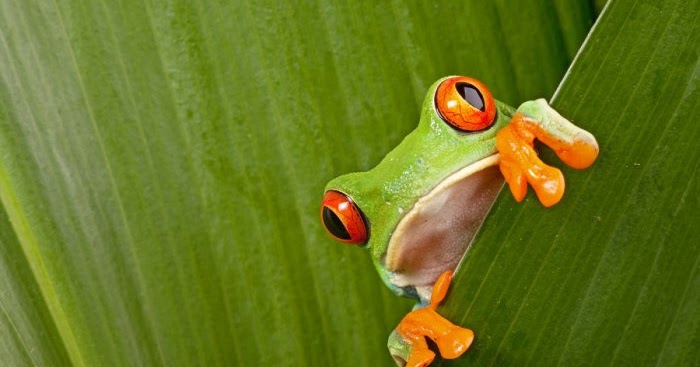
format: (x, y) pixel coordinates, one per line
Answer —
(472, 95)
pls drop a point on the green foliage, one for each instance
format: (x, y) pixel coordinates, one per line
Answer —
(609, 276)
(161, 166)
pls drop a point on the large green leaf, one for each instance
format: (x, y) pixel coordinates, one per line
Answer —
(609, 276)
(161, 165)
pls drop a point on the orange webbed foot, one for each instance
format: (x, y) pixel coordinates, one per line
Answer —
(451, 340)
(519, 161)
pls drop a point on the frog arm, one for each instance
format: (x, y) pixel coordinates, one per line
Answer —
(519, 163)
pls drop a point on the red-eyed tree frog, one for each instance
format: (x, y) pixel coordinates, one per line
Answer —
(417, 210)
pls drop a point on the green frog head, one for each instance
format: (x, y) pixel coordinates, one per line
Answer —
(418, 209)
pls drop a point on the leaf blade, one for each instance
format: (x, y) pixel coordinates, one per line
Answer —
(173, 192)
(594, 280)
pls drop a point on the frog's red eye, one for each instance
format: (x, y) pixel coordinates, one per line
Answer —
(343, 219)
(465, 103)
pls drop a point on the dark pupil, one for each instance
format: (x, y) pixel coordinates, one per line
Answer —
(334, 224)
(471, 95)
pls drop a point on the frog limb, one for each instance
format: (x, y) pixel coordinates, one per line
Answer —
(519, 162)
(425, 322)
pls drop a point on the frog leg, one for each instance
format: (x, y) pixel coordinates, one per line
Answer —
(519, 162)
(425, 322)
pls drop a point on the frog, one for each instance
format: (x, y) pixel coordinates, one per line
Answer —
(417, 211)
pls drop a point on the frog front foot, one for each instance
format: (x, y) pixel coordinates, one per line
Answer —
(408, 343)
(519, 162)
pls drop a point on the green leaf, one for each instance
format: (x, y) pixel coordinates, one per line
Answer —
(161, 166)
(609, 276)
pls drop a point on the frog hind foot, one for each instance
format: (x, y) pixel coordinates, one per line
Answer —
(452, 340)
(519, 161)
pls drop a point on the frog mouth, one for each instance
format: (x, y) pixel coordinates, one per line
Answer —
(435, 234)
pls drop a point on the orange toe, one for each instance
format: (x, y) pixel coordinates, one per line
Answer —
(548, 183)
(440, 288)
(455, 343)
(517, 183)
(580, 155)
(420, 358)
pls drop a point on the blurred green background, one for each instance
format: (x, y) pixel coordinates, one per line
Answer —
(162, 164)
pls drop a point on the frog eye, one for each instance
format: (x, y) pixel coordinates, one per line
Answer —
(465, 104)
(343, 219)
